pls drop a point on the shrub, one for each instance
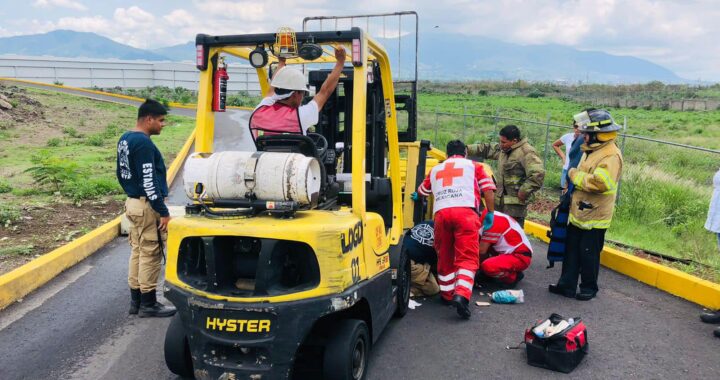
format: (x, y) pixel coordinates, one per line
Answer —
(72, 132)
(54, 142)
(26, 192)
(536, 94)
(95, 140)
(5, 187)
(58, 83)
(9, 215)
(112, 131)
(52, 171)
(18, 250)
(80, 190)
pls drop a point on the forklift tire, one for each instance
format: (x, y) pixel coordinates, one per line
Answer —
(347, 351)
(402, 282)
(177, 349)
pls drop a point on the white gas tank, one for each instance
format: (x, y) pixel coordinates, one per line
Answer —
(270, 176)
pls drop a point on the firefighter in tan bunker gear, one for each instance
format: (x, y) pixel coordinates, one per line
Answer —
(593, 201)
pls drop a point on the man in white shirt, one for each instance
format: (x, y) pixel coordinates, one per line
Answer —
(282, 110)
(567, 140)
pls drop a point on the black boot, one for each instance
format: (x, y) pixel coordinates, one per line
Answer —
(585, 295)
(134, 301)
(556, 289)
(711, 317)
(150, 307)
(462, 305)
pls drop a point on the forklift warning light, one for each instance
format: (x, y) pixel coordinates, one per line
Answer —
(200, 57)
(357, 52)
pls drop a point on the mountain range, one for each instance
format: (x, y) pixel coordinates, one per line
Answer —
(442, 56)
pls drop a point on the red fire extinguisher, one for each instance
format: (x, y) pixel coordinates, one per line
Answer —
(220, 86)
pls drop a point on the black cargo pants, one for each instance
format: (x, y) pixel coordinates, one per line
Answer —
(582, 257)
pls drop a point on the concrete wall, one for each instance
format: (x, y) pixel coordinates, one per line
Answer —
(86, 72)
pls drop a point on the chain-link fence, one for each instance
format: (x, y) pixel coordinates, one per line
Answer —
(665, 186)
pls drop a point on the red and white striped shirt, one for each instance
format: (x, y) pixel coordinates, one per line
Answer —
(506, 235)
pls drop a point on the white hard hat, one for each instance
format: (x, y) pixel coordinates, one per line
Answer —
(289, 79)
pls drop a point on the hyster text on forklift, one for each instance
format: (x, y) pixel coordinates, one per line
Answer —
(289, 260)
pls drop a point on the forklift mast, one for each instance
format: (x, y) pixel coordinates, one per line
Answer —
(377, 26)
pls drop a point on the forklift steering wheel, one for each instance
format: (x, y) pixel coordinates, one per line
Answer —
(321, 144)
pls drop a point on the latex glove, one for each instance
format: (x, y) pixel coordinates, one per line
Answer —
(507, 296)
(488, 221)
(415, 196)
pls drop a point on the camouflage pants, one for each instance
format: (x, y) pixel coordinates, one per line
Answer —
(518, 212)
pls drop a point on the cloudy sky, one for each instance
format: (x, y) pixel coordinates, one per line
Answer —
(676, 34)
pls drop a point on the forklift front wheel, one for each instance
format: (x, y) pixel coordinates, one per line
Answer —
(346, 353)
(177, 349)
(402, 282)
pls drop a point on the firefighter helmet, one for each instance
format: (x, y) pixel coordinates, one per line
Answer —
(288, 78)
(596, 120)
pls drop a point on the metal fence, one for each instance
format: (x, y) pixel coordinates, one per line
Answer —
(108, 73)
(691, 163)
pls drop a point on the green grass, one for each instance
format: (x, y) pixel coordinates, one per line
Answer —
(665, 190)
(17, 250)
(87, 132)
(693, 128)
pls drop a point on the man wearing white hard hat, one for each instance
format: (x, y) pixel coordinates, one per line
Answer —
(282, 110)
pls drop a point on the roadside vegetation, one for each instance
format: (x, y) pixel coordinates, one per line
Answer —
(180, 95)
(57, 167)
(665, 190)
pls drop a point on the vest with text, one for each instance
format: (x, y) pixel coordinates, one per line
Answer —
(454, 184)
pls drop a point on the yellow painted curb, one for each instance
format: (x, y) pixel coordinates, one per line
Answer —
(670, 280)
(119, 96)
(23, 280)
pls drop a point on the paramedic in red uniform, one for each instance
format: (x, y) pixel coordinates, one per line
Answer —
(505, 251)
(456, 185)
(282, 110)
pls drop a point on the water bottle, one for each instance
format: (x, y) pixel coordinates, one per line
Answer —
(539, 330)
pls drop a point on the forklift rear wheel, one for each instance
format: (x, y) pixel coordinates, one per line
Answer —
(402, 281)
(177, 349)
(346, 353)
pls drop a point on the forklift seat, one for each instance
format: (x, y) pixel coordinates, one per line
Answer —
(287, 143)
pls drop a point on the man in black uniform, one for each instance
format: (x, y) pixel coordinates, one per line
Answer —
(141, 172)
(418, 243)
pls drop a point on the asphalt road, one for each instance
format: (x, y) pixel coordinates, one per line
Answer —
(77, 327)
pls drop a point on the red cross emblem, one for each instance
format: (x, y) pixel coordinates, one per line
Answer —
(448, 174)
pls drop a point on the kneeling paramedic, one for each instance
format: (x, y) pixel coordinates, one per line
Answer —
(282, 111)
(505, 251)
(456, 185)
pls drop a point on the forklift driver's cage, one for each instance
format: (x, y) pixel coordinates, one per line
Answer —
(367, 21)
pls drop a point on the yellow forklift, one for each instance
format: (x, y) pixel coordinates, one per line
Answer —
(289, 260)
